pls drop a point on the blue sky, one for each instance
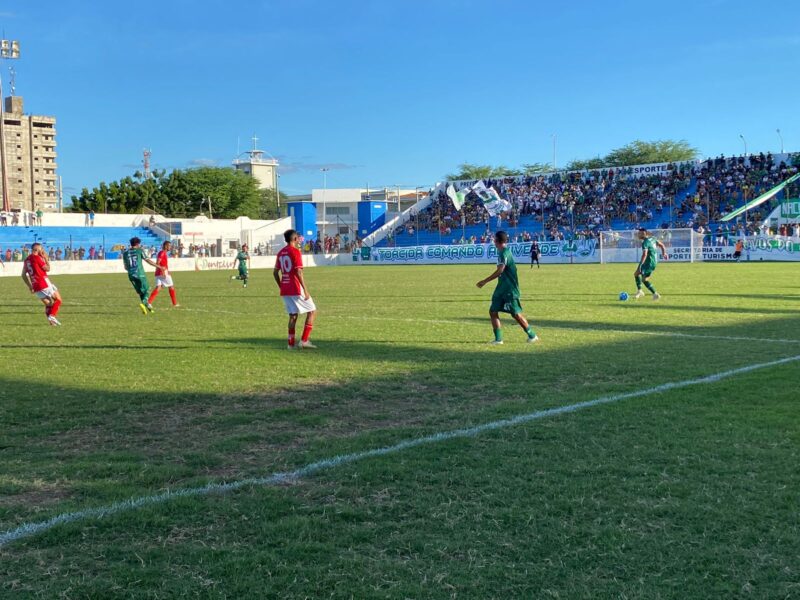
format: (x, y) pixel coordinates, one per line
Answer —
(399, 92)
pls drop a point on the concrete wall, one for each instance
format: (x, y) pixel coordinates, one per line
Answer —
(89, 267)
(100, 220)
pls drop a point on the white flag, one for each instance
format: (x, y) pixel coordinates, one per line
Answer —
(492, 201)
(451, 193)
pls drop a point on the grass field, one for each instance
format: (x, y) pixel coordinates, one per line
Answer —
(686, 493)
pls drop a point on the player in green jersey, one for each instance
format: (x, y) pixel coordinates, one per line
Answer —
(134, 258)
(648, 263)
(506, 294)
(243, 258)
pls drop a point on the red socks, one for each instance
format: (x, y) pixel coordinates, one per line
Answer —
(171, 295)
(52, 310)
(307, 333)
(291, 336)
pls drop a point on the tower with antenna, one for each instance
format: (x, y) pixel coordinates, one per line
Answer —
(146, 153)
(253, 163)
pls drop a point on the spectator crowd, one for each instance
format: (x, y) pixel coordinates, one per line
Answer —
(580, 204)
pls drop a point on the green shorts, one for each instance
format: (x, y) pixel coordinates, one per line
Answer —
(507, 304)
(140, 285)
(243, 273)
(647, 271)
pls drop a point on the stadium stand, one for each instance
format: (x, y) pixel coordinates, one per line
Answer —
(581, 204)
(72, 243)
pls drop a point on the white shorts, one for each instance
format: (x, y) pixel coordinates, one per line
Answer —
(297, 305)
(47, 292)
(164, 281)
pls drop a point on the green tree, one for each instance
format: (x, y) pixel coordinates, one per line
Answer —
(536, 168)
(468, 171)
(269, 208)
(590, 163)
(181, 193)
(640, 152)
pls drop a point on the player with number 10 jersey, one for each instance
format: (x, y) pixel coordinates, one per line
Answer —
(288, 274)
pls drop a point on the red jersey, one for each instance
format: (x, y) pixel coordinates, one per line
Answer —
(161, 260)
(34, 267)
(290, 261)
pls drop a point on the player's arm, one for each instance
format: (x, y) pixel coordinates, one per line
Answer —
(302, 281)
(663, 249)
(46, 260)
(150, 262)
(276, 274)
(27, 280)
(497, 272)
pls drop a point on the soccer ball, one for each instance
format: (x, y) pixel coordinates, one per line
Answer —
(623, 296)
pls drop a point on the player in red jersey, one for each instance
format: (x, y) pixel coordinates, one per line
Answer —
(288, 274)
(163, 278)
(34, 274)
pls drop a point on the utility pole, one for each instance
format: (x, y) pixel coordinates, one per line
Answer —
(324, 194)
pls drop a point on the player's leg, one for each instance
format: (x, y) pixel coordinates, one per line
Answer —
(497, 328)
(172, 296)
(141, 290)
(309, 325)
(292, 326)
(649, 286)
(526, 327)
(47, 305)
(145, 294)
(155, 292)
(56, 304)
(637, 277)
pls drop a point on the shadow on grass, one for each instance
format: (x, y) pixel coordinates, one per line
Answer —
(93, 446)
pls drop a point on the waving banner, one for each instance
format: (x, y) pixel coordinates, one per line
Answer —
(760, 200)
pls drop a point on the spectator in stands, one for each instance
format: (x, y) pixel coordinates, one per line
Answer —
(91, 218)
(3, 219)
(39, 215)
(15, 219)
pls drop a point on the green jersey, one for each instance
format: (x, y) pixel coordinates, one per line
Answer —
(507, 283)
(651, 261)
(242, 258)
(133, 259)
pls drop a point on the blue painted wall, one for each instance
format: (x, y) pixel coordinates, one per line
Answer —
(304, 218)
(371, 215)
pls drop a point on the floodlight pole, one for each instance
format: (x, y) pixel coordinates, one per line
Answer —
(778, 131)
(324, 194)
(744, 141)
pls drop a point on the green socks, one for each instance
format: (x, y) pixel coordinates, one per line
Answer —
(650, 287)
(531, 333)
(638, 282)
(498, 335)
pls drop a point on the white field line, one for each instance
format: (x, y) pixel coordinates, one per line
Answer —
(673, 334)
(35, 527)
